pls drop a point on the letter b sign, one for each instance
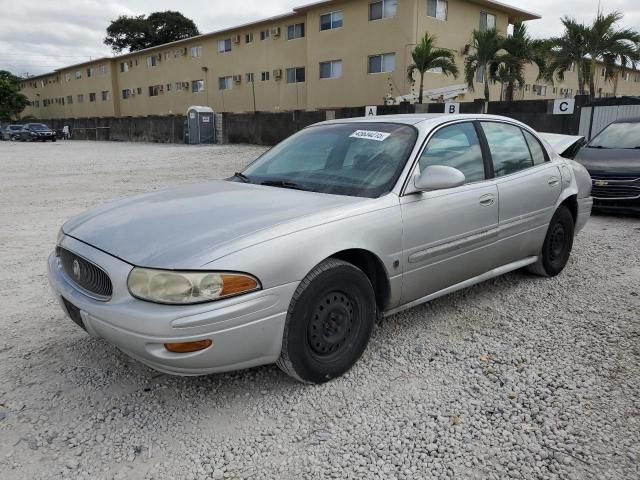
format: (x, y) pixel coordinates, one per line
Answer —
(451, 108)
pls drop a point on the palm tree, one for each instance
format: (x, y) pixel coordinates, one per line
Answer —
(482, 55)
(521, 50)
(587, 45)
(426, 57)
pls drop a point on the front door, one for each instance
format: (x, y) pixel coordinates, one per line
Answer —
(449, 235)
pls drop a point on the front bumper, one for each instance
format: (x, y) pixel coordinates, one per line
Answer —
(246, 331)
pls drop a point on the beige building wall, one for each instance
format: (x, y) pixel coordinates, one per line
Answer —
(167, 79)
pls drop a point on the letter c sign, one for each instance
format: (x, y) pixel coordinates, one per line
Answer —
(564, 106)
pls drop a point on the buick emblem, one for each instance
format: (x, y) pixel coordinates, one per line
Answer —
(76, 269)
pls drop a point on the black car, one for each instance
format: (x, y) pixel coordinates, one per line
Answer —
(11, 132)
(613, 160)
(32, 132)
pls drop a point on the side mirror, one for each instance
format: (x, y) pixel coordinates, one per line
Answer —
(439, 177)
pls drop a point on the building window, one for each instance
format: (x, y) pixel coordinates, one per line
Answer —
(104, 95)
(78, 75)
(92, 97)
(196, 52)
(124, 67)
(264, 34)
(383, 9)
(67, 77)
(295, 31)
(225, 83)
(169, 87)
(155, 90)
(332, 69)
(139, 90)
(264, 76)
(70, 99)
(487, 21)
(384, 63)
(437, 9)
(89, 72)
(80, 98)
(249, 77)
(296, 75)
(103, 69)
(224, 45)
(480, 74)
(248, 37)
(197, 86)
(332, 20)
(152, 61)
(178, 52)
(126, 94)
(182, 86)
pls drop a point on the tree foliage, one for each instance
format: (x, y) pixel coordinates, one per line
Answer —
(140, 32)
(426, 57)
(483, 55)
(12, 102)
(584, 46)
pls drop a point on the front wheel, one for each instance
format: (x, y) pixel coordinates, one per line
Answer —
(557, 245)
(329, 322)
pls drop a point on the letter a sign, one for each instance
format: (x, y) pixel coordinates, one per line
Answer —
(371, 112)
(451, 108)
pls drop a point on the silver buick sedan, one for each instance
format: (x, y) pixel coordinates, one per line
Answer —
(292, 260)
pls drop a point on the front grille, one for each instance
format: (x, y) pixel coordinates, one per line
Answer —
(619, 178)
(89, 277)
(615, 191)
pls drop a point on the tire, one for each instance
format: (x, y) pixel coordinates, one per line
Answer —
(557, 245)
(328, 323)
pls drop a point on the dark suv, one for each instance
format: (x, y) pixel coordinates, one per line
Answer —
(32, 132)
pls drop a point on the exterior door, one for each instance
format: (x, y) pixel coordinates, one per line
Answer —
(449, 235)
(529, 186)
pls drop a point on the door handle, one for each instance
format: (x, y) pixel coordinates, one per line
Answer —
(487, 200)
(553, 181)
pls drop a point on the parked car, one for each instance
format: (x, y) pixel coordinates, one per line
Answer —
(32, 132)
(11, 132)
(292, 260)
(613, 159)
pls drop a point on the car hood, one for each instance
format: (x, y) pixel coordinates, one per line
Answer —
(183, 227)
(610, 162)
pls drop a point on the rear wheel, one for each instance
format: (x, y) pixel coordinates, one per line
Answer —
(329, 322)
(557, 245)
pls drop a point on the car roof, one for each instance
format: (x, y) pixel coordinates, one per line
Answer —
(420, 120)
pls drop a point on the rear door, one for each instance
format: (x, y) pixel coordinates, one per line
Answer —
(529, 186)
(449, 235)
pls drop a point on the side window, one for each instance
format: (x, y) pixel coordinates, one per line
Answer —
(539, 157)
(509, 149)
(456, 146)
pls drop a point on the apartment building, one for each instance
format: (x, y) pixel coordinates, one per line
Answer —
(324, 55)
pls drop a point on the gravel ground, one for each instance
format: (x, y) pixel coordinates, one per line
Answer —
(519, 377)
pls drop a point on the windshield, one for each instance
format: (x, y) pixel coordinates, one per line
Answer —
(618, 135)
(15, 127)
(355, 159)
(38, 126)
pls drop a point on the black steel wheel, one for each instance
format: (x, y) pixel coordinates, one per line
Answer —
(329, 322)
(557, 246)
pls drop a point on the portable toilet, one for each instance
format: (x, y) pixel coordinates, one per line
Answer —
(200, 127)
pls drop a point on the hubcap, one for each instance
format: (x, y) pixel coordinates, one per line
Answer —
(332, 324)
(557, 242)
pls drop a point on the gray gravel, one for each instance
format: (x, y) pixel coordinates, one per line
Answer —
(519, 377)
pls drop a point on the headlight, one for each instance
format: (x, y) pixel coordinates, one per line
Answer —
(185, 288)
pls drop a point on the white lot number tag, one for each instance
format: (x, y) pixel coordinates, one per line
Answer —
(370, 135)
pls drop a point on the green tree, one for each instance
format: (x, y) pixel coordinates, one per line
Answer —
(587, 45)
(12, 102)
(426, 57)
(482, 56)
(521, 51)
(140, 32)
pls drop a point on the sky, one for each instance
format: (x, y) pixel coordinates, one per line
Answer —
(39, 36)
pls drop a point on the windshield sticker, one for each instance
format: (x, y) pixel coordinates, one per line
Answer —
(370, 135)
